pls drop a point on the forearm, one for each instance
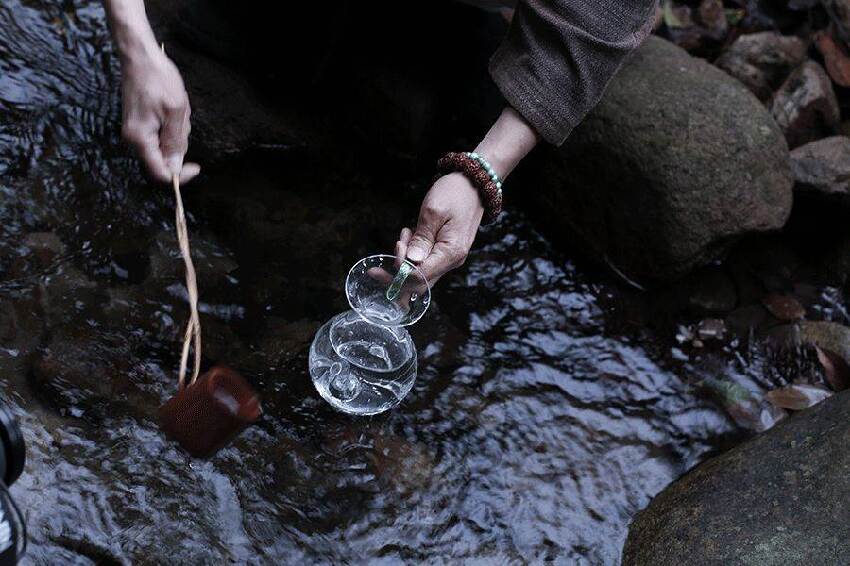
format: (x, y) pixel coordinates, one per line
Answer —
(559, 56)
(130, 28)
(508, 141)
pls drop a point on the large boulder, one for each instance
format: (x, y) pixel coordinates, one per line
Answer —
(780, 498)
(676, 162)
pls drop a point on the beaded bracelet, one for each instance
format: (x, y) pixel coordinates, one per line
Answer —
(482, 176)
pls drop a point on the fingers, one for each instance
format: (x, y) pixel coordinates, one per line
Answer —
(444, 257)
(189, 172)
(174, 135)
(422, 241)
(154, 162)
(162, 153)
(151, 156)
(402, 243)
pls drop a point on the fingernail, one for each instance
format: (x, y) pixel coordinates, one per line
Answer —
(174, 164)
(416, 253)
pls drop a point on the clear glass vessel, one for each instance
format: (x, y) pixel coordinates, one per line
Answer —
(363, 361)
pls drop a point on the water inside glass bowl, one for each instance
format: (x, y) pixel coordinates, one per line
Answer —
(387, 290)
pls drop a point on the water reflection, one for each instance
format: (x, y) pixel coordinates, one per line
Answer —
(544, 416)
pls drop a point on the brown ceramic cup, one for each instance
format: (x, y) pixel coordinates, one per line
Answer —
(208, 414)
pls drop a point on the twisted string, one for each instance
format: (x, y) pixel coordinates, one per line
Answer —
(193, 327)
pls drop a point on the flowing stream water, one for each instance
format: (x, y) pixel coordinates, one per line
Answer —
(548, 410)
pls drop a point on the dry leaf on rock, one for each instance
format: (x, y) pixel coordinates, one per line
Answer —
(798, 396)
(784, 307)
(835, 369)
(835, 57)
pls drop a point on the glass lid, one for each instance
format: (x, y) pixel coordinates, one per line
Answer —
(387, 290)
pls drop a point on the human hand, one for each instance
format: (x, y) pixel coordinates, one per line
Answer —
(156, 114)
(448, 221)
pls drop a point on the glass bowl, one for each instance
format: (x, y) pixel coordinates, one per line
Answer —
(387, 290)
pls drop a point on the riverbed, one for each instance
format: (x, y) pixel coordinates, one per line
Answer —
(552, 402)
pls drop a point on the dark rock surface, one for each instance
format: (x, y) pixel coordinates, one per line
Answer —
(231, 114)
(823, 167)
(805, 106)
(762, 60)
(780, 498)
(653, 178)
(711, 291)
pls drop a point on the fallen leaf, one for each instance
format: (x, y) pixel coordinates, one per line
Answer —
(784, 307)
(798, 396)
(835, 369)
(835, 58)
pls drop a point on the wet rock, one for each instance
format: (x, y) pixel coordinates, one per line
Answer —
(403, 465)
(762, 60)
(213, 265)
(676, 163)
(22, 328)
(763, 264)
(712, 291)
(836, 263)
(784, 307)
(65, 292)
(746, 319)
(88, 373)
(221, 344)
(829, 336)
(823, 167)
(282, 342)
(713, 17)
(47, 245)
(805, 106)
(779, 498)
(39, 251)
(230, 114)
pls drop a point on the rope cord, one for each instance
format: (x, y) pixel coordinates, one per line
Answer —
(193, 327)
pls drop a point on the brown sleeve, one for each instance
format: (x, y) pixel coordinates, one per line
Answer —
(559, 56)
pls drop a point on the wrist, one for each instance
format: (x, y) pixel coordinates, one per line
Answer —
(507, 143)
(501, 162)
(489, 196)
(131, 31)
(137, 49)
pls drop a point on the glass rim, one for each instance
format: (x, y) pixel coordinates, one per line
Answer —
(393, 257)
